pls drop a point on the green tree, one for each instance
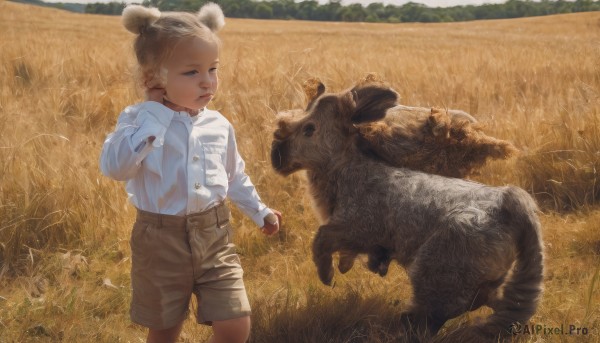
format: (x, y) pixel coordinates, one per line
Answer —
(354, 12)
(263, 11)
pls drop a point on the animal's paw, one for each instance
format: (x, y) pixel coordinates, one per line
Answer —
(346, 263)
(379, 261)
(325, 274)
(382, 269)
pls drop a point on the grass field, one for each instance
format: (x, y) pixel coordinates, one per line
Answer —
(64, 228)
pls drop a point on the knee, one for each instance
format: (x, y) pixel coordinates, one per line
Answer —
(232, 331)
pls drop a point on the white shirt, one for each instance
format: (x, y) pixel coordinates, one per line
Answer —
(192, 164)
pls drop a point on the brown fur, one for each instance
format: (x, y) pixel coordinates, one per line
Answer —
(436, 141)
(464, 244)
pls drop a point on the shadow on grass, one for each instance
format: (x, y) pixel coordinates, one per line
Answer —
(316, 316)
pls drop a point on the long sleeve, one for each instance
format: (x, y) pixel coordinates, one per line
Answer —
(125, 148)
(241, 190)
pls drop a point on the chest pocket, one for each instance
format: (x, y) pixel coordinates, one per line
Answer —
(214, 157)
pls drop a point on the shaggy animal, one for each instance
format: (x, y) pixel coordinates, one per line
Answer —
(436, 141)
(463, 244)
(444, 142)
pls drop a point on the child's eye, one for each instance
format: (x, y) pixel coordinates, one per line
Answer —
(213, 70)
(190, 73)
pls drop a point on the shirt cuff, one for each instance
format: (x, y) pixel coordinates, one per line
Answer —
(259, 217)
(152, 120)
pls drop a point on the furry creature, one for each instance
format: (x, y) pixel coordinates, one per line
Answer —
(463, 244)
(443, 142)
(437, 141)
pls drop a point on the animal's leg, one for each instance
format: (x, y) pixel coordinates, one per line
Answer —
(346, 261)
(379, 260)
(454, 272)
(329, 239)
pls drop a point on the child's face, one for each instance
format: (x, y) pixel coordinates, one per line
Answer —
(192, 73)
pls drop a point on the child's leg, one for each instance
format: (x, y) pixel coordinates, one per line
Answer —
(161, 275)
(231, 331)
(219, 286)
(164, 336)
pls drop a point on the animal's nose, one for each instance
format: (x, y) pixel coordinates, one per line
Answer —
(278, 134)
(276, 158)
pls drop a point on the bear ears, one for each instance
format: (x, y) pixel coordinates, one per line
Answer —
(212, 16)
(137, 18)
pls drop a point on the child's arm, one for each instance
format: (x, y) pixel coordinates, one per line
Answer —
(243, 193)
(139, 130)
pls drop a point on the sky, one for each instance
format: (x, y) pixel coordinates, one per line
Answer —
(430, 3)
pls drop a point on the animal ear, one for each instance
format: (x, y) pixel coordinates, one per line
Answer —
(370, 78)
(313, 88)
(372, 102)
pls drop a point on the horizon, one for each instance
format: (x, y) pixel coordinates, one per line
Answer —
(428, 3)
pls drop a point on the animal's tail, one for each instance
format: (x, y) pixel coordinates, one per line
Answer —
(522, 291)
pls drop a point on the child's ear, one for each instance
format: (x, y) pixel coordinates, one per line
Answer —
(156, 78)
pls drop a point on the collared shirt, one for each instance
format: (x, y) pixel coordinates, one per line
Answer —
(191, 165)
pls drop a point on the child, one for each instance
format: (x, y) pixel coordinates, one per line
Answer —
(180, 162)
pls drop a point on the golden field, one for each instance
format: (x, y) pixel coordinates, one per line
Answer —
(64, 228)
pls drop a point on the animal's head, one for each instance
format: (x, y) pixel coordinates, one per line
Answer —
(312, 138)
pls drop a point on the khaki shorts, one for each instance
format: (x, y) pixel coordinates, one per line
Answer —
(174, 257)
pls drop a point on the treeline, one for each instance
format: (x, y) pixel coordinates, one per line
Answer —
(73, 7)
(375, 12)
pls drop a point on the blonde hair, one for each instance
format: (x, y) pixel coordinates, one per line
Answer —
(158, 33)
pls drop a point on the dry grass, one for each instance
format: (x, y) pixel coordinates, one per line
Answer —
(64, 228)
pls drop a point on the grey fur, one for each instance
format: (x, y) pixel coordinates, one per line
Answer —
(464, 244)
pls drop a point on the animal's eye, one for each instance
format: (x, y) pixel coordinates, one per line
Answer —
(308, 130)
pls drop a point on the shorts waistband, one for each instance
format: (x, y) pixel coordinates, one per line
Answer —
(216, 215)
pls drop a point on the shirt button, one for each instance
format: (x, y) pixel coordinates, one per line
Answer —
(197, 185)
(196, 157)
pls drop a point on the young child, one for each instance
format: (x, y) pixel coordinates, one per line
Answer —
(180, 162)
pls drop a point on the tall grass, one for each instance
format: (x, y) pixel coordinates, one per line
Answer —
(64, 228)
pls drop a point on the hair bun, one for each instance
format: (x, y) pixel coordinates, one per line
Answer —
(136, 18)
(212, 16)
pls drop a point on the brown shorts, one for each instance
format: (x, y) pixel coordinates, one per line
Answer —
(174, 257)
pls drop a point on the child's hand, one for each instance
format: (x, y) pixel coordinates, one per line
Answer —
(271, 223)
(155, 92)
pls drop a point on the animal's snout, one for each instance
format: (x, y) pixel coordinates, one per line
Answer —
(277, 154)
(278, 135)
(281, 160)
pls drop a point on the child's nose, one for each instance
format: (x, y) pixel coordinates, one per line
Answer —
(205, 80)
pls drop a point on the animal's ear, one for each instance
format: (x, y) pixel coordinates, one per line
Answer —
(370, 78)
(313, 88)
(372, 102)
